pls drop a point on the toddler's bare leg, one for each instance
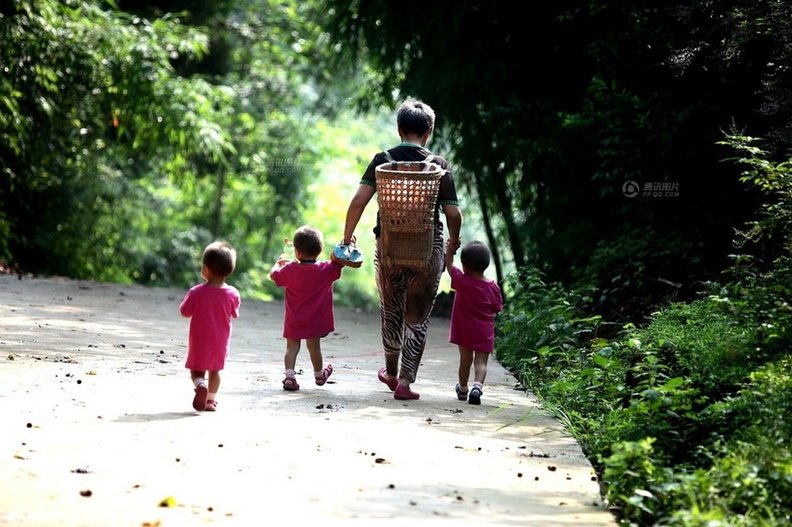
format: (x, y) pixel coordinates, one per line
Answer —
(481, 366)
(197, 375)
(214, 382)
(315, 351)
(292, 349)
(465, 362)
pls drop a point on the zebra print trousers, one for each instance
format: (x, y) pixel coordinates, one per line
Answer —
(406, 299)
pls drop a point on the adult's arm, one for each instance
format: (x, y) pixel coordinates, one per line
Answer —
(454, 223)
(449, 257)
(355, 211)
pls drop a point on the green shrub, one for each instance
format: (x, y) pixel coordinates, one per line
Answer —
(673, 415)
(687, 418)
(750, 479)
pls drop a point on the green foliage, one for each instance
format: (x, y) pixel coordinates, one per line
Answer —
(669, 413)
(144, 137)
(685, 417)
(90, 92)
(632, 469)
(769, 237)
(547, 116)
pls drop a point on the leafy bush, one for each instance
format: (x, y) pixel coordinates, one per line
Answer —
(685, 418)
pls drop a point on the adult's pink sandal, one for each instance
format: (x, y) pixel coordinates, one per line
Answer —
(392, 383)
(405, 394)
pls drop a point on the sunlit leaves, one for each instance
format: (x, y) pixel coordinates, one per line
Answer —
(84, 89)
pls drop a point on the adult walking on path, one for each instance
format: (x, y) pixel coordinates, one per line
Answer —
(407, 294)
(96, 430)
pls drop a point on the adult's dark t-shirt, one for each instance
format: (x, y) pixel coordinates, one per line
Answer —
(446, 194)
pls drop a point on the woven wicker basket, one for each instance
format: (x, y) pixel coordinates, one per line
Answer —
(407, 198)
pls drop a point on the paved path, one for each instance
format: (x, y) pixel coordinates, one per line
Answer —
(98, 429)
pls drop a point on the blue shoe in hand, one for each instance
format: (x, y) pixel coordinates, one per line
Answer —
(347, 255)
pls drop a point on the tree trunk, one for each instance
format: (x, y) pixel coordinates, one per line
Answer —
(504, 202)
(487, 219)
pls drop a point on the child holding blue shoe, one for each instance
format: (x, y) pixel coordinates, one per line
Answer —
(308, 303)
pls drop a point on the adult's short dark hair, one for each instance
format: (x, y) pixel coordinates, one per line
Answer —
(475, 257)
(415, 118)
(219, 258)
(308, 240)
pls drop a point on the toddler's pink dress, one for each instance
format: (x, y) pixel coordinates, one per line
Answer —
(476, 302)
(210, 309)
(308, 306)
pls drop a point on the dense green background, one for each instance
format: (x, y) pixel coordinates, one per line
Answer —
(656, 326)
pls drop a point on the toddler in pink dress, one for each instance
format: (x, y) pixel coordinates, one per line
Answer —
(308, 303)
(477, 300)
(210, 307)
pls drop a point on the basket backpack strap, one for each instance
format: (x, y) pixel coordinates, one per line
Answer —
(389, 158)
(431, 158)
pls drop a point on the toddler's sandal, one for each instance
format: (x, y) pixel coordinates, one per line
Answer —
(290, 384)
(211, 406)
(462, 395)
(199, 401)
(475, 395)
(326, 373)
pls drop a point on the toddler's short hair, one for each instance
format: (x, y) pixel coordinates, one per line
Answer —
(308, 240)
(415, 118)
(219, 258)
(475, 257)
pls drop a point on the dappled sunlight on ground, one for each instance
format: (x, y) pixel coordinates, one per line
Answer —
(94, 397)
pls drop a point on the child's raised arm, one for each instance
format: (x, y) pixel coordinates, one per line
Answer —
(275, 272)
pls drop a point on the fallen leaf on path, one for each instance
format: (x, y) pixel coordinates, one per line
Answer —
(531, 454)
(170, 501)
